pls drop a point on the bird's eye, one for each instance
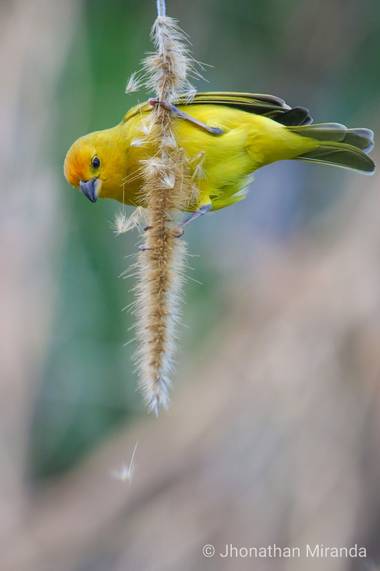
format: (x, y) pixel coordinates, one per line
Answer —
(95, 162)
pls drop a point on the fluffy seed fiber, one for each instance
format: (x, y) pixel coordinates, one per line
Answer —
(167, 186)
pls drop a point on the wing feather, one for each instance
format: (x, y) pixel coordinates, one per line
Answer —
(259, 103)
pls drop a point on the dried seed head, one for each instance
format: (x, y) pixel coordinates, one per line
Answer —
(157, 322)
(168, 68)
(167, 187)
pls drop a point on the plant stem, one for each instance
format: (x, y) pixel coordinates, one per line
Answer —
(161, 8)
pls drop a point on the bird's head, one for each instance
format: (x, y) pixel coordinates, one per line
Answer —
(93, 164)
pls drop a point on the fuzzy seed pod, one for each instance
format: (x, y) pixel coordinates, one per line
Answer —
(167, 186)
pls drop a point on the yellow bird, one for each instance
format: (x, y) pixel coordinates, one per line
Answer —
(226, 137)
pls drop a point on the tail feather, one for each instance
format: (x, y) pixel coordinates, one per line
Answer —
(339, 146)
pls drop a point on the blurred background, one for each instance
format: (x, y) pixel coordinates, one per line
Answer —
(273, 435)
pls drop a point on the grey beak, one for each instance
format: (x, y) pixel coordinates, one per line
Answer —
(88, 187)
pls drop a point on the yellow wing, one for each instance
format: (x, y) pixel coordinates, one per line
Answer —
(258, 103)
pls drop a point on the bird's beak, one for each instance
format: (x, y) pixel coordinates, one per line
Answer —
(89, 188)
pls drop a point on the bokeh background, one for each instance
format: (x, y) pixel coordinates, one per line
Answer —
(273, 435)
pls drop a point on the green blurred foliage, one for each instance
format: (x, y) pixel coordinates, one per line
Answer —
(322, 55)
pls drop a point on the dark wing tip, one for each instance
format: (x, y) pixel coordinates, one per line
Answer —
(295, 116)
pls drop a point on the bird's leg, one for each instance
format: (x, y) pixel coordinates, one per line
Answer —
(191, 216)
(182, 115)
(179, 230)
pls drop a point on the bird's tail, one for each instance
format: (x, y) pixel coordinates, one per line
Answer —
(339, 146)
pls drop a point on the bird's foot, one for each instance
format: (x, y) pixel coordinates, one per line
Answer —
(185, 116)
(179, 230)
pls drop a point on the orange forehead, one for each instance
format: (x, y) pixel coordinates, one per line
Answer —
(77, 163)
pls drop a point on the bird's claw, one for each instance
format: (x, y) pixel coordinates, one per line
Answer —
(178, 231)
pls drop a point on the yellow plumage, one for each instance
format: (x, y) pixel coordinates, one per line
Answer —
(257, 130)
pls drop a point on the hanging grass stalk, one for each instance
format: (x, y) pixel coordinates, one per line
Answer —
(166, 186)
